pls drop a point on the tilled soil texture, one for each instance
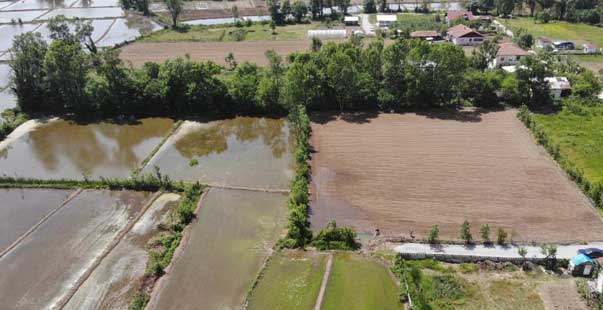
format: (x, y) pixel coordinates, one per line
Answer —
(254, 52)
(403, 173)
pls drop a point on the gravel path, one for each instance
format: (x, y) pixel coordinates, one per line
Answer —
(323, 285)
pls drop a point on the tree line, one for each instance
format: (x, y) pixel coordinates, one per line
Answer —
(71, 77)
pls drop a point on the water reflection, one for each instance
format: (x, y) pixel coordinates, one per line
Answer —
(61, 149)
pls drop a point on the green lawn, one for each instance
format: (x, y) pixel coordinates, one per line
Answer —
(558, 30)
(291, 281)
(579, 137)
(591, 62)
(256, 32)
(357, 283)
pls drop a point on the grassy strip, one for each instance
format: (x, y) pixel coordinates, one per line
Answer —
(156, 149)
(146, 182)
(257, 279)
(593, 190)
(162, 249)
(11, 121)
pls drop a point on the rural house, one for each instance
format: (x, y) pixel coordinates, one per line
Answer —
(454, 15)
(386, 20)
(589, 48)
(463, 35)
(508, 54)
(428, 35)
(559, 86)
(351, 20)
(544, 43)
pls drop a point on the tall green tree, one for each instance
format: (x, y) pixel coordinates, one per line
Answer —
(342, 78)
(242, 86)
(175, 8)
(27, 63)
(299, 10)
(484, 54)
(394, 68)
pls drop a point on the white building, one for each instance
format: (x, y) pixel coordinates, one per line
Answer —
(508, 54)
(589, 48)
(559, 86)
(351, 20)
(386, 20)
(328, 34)
(463, 35)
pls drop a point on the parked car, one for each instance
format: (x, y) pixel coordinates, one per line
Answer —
(564, 45)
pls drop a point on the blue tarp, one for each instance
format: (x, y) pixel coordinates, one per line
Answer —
(581, 259)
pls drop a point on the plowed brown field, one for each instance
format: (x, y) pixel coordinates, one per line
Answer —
(406, 172)
(139, 53)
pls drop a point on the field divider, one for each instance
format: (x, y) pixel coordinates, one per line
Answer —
(323, 285)
(120, 236)
(186, 235)
(158, 147)
(252, 189)
(42, 221)
(106, 31)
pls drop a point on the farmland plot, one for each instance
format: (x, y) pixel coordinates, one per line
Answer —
(39, 272)
(21, 209)
(127, 29)
(402, 173)
(244, 151)
(222, 252)
(60, 149)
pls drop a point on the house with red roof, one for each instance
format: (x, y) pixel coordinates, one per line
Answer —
(463, 35)
(509, 54)
(454, 15)
(428, 35)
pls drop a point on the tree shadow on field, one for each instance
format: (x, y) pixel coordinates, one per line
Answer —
(356, 117)
(471, 115)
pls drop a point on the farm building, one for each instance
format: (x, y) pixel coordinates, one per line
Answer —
(581, 265)
(463, 35)
(559, 86)
(384, 21)
(508, 54)
(544, 43)
(589, 48)
(454, 15)
(328, 34)
(426, 35)
(351, 20)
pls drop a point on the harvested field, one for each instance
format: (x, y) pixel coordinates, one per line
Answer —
(21, 209)
(139, 53)
(115, 281)
(358, 283)
(291, 280)
(405, 172)
(243, 151)
(222, 252)
(59, 149)
(40, 271)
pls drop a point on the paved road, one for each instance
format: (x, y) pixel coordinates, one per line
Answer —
(563, 251)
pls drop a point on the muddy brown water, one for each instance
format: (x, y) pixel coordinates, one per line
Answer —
(61, 149)
(244, 151)
(46, 264)
(225, 251)
(21, 209)
(115, 281)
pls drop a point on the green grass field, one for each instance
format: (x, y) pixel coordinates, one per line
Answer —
(358, 283)
(591, 62)
(291, 280)
(256, 32)
(579, 137)
(558, 30)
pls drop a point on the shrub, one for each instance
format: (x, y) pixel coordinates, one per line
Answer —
(433, 235)
(335, 238)
(484, 231)
(501, 236)
(465, 232)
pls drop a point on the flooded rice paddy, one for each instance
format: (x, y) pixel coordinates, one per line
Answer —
(40, 271)
(25, 16)
(38, 5)
(7, 101)
(22, 209)
(96, 3)
(8, 32)
(5, 75)
(60, 149)
(101, 26)
(128, 29)
(243, 151)
(86, 13)
(223, 251)
(114, 282)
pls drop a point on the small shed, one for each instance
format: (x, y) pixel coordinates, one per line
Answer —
(386, 20)
(426, 35)
(589, 48)
(351, 20)
(328, 34)
(581, 265)
(559, 86)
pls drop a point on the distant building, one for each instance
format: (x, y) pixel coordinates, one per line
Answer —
(463, 35)
(428, 35)
(386, 20)
(544, 43)
(328, 34)
(589, 48)
(508, 54)
(453, 15)
(559, 86)
(351, 20)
